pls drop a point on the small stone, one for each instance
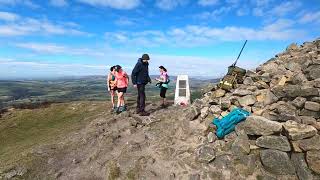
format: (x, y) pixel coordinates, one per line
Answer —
(205, 154)
(211, 137)
(312, 106)
(313, 160)
(296, 131)
(310, 144)
(280, 143)
(301, 166)
(277, 162)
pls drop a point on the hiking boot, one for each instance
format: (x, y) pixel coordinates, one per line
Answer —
(143, 113)
(162, 106)
(137, 110)
(118, 111)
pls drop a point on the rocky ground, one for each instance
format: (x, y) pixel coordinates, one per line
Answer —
(280, 140)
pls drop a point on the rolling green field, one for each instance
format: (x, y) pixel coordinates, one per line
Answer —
(28, 94)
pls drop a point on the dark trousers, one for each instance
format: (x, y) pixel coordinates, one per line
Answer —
(141, 100)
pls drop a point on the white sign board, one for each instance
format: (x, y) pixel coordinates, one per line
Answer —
(182, 95)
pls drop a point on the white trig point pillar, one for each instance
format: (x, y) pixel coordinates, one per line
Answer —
(182, 95)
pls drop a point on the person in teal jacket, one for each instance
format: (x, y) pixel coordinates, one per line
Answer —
(163, 81)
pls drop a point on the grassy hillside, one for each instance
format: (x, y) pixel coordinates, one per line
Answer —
(23, 130)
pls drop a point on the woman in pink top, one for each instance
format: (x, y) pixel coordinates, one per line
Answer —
(122, 81)
(163, 81)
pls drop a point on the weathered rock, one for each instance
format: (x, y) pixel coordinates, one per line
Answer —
(225, 104)
(265, 77)
(204, 112)
(247, 100)
(285, 111)
(219, 93)
(277, 162)
(241, 144)
(241, 92)
(316, 99)
(282, 81)
(305, 112)
(307, 120)
(310, 144)
(274, 142)
(261, 85)
(205, 154)
(301, 166)
(258, 125)
(292, 47)
(313, 71)
(192, 113)
(270, 98)
(248, 81)
(316, 83)
(298, 79)
(313, 160)
(296, 131)
(312, 106)
(296, 146)
(214, 109)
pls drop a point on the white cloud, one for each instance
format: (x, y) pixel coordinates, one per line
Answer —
(208, 2)
(27, 3)
(7, 16)
(310, 17)
(51, 48)
(243, 11)
(59, 3)
(217, 14)
(116, 4)
(125, 22)
(195, 35)
(280, 24)
(285, 8)
(30, 26)
(170, 4)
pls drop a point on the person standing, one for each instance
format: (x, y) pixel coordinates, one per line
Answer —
(140, 78)
(111, 83)
(163, 81)
(122, 81)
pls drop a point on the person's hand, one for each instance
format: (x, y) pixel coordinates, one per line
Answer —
(150, 81)
(135, 86)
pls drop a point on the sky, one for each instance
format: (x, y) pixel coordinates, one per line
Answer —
(55, 38)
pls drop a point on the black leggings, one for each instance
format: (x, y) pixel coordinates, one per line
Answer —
(163, 92)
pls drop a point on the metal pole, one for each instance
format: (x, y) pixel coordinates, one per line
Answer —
(240, 53)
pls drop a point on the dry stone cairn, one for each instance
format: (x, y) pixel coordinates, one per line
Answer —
(283, 132)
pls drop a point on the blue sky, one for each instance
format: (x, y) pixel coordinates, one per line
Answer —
(51, 38)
